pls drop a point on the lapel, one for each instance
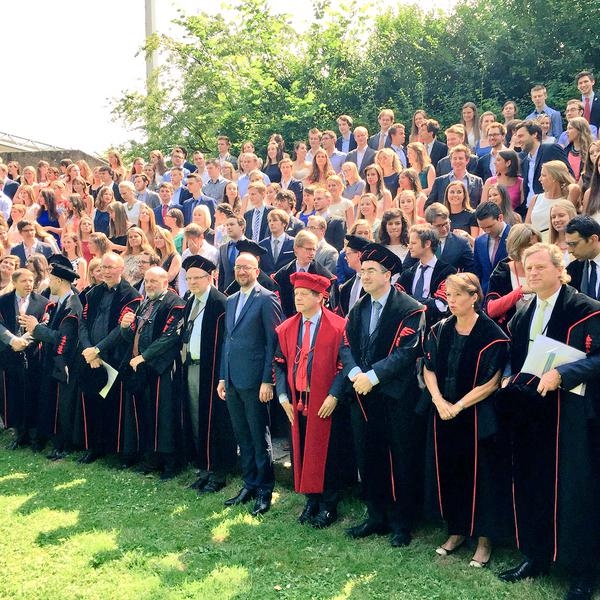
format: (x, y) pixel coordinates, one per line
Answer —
(246, 306)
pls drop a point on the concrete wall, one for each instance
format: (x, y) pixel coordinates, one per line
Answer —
(52, 156)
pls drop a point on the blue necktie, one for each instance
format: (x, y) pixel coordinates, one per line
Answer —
(593, 280)
(419, 287)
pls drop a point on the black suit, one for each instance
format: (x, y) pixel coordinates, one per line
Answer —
(483, 167)
(594, 112)
(335, 232)
(352, 145)
(286, 289)
(438, 151)
(456, 252)
(444, 165)
(546, 152)
(368, 159)
(20, 370)
(264, 226)
(295, 186)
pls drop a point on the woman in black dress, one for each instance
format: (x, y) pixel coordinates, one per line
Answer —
(464, 357)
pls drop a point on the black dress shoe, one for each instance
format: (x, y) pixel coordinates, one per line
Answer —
(367, 528)
(323, 519)
(580, 590)
(262, 505)
(244, 495)
(527, 569)
(57, 455)
(199, 483)
(211, 487)
(88, 457)
(399, 539)
(310, 510)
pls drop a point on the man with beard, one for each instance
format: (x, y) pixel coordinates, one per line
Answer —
(153, 344)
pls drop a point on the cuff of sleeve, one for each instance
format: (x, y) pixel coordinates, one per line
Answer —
(354, 371)
(283, 398)
(372, 377)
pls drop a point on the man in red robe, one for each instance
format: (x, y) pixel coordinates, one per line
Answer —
(309, 370)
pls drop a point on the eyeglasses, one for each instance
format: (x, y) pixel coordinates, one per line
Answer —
(442, 225)
(243, 268)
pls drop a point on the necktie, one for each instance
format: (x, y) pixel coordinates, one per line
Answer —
(22, 310)
(164, 212)
(382, 137)
(496, 243)
(232, 253)
(302, 369)
(195, 309)
(537, 325)
(593, 281)
(376, 311)
(143, 318)
(275, 250)
(587, 110)
(355, 292)
(240, 305)
(420, 285)
(256, 226)
(439, 250)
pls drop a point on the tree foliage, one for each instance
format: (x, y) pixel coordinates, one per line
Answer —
(256, 75)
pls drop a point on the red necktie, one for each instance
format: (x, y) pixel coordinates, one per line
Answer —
(587, 110)
(302, 370)
(495, 249)
(164, 212)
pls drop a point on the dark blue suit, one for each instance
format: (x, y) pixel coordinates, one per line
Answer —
(286, 254)
(264, 226)
(546, 152)
(483, 265)
(246, 363)
(10, 188)
(295, 186)
(444, 166)
(38, 247)
(456, 252)
(338, 143)
(438, 189)
(191, 203)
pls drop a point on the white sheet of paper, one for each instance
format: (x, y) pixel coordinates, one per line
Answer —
(547, 353)
(112, 375)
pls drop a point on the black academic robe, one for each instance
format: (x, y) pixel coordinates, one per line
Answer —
(469, 477)
(97, 418)
(386, 427)
(499, 286)
(217, 449)
(20, 370)
(343, 307)
(150, 414)
(59, 334)
(555, 440)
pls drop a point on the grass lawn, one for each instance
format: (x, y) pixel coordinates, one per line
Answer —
(74, 531)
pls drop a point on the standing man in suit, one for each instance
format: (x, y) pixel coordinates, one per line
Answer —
(384, 331)
(362, 156)
(539, 95)
(30, 245)
(327, 255)
(165, 194)
(425, 281)
(382, 139)
(452, 249)
(194, 186)
(428, 133)
(286, 201)
(206, 420)
(305, 249)
(591, 102)
(459, 158)
(143, 194)
(352, 290)
(107, 177)
(224, 148)
(554, 431)
(20, 360)
(58, 332)
(455, 135)
(288, 182)
(256, 218)
(246, 380)
(228, 252)
(336, 227)
(490, 247)
(486, 165)
(278, 245)
(583, 240)
(397, 135)
(528, 137)
(345, 142)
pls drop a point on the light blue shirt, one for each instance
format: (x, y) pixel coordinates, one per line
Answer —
(555, 119)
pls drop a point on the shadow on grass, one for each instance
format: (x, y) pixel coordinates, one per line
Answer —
(123, 535)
